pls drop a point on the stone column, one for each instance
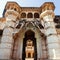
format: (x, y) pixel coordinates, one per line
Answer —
(6, 43)
(51, 34)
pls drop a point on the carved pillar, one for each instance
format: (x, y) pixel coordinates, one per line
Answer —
(6, 43)
(7, 39)
(50, 32)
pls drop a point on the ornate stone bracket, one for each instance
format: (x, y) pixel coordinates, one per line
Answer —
(25, 23)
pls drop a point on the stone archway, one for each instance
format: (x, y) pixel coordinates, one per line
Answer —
(39, 43)
(29, 35)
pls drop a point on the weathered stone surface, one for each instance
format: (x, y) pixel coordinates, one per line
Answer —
(11, 18)
(2, 25)
(52, 39)
(8, 31)
(54, 53)
(53, 46)
(6, 46)
(49, 24)
(5, 53)
(7, 39)
(10, 23)
(50, 31)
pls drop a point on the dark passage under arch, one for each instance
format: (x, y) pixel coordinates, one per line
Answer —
(29, 35)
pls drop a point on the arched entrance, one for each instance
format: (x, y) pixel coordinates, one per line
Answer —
(29, 35)
(38, 40)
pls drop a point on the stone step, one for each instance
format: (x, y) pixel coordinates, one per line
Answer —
(29, 58)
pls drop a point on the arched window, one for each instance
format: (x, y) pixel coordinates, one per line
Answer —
(23, 15)
(29, 15)
(36, 15)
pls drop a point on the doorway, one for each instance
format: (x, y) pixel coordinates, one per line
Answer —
(29, 35)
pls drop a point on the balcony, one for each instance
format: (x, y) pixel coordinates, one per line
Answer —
(30, 19)
(11, 12)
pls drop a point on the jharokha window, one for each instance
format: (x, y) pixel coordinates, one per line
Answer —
(23, 15)
(36, 15)
(29, 15)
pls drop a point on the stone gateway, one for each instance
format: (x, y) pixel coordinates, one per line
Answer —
(29, 33)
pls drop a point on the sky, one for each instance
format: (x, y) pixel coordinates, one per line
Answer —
(31, 3)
